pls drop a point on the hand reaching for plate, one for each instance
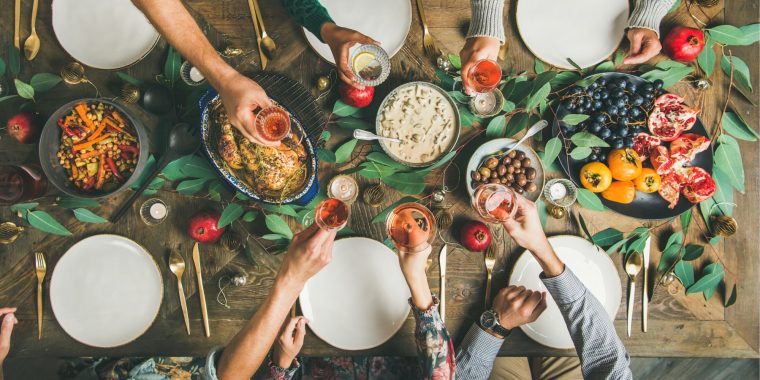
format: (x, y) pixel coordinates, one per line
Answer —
(340, 40)
(474, 50)
(644, 44)
(6, 330)
(517, 306)
(241, 97)
(309, 252)
(289, 343)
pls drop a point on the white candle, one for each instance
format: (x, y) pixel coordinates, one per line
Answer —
(557, 191)
(196, 75)
(158, 211)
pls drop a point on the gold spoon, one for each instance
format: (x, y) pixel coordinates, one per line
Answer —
(632, 267)
(267, 43)
(32, 44)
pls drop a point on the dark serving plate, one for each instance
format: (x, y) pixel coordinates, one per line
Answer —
(50, 140)
(306, 120)
(644, 206)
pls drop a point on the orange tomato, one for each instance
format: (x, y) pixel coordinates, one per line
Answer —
(648, 181)
(595, 176)
(620, 192)
(624, 164)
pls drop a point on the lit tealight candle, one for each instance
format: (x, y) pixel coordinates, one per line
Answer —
(196, 75)
(158, 211)
(344, 188)
(484, 104)
(557, 191)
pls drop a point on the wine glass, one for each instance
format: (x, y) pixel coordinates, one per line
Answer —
(273, 123)
(484, 76)
(331, 214)
(495, 203)
(411, 227)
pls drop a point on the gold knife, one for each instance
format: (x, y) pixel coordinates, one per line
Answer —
(17, 34)
(442, 269)
(197, 262)
(258, 34)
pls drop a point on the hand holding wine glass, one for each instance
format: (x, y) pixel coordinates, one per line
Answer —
(525, 228)
(477, 49)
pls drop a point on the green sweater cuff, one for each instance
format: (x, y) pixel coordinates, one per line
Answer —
(309, 13)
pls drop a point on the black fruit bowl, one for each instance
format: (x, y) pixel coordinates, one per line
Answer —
(50, 141)
(644, 206)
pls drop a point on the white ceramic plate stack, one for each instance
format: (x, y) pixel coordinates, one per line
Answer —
(103, 34)
(106, 291)
(586, 31)
(385, 21)
(591, 265)
(359, 300)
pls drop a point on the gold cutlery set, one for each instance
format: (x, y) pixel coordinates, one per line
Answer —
(264, 42)
(635, 263)
(177, 266)
(32, 43)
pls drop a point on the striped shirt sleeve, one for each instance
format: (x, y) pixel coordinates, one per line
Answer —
(487, 19)
(476, 354)
(648, 14)
(601, 352)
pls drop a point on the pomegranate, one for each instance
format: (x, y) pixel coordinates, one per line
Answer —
(475, 236)
(24, 127)
(670, 188)
(356, 97)
(699, 185)
(670, 117)
(644, 143)
(203, 227)
(683, 43)
(688, 145)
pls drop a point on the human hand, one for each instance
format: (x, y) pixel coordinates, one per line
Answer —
(517, 306)
(474, 50)
(309, 252)
(6, 330)
(340, 40)
(525, 228)
(289, 343)
(241, 97)
(644, 44)
(413, 267)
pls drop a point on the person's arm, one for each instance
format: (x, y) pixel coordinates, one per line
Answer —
(309, 252)
(310, 14)
(434, 346)
(484, 38)
(601, 352)
(644, 30)
(241, 95)
(6, 330)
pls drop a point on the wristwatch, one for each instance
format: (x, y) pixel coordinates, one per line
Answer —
(489, 320)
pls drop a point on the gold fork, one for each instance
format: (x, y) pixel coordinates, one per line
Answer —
(490, 259)
(177, 266)
(427, 39)
(40, 269)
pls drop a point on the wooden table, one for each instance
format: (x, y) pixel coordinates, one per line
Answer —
(679, 325)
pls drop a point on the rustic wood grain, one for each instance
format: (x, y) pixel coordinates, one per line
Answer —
(680, 325)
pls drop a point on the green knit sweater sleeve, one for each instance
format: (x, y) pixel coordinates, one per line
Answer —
(309, 13)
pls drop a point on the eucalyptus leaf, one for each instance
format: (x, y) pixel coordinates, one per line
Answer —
(685, 220)
(70, 202)
(130, 79)
(156, 183)
(24, 206)
(707, 59)
(604, 67)
(638, 244)
(342, 109)
(616, 247)
(692, 252)
(607, 237)
(445, 80)
(2, 67)
(325, 155)
(541, 80)
(380, 218)
(669, 64)
(670, 76)
(24, 90)
(250, 216)
(582, 223)
(517, 123)
(374, 170)
(538, 66)
(714, 240)
(589, 200)
(343, 153)
(8, 97)
(325, 136)
(712, 274)
(277, 225)
(466, 118)
(172, 66)
(191, 186)
(231, 213)
(564, 78)
(741, 71)
(87, 216)
(685, 273)
(728, 159)
(44, 81)
(551, 150)
(731, 299)
(574, 119)
(587, 81)
(456, 61)
(384, 159)
(496, 127)
(538, 96)
(580, 152)
(751, 34)
(274, 237)
(618, 57)
(726, 34)
(508, 106)
(672, 251)
(407, 183)
(45, 222)
(280, 209)
(734, 125)
(14, 60)
(441, 161)
(573, 64)
(588, 139)
(353, 123)
(459, 97)
(149, 165)
(519, 92)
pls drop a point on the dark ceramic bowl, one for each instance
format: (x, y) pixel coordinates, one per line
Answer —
(50, 140)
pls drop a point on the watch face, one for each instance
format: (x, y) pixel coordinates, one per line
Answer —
(487, 319)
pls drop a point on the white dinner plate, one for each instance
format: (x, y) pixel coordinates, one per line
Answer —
(385, 21)
(587, 31)
(106, 291)
(593, 268)
(102, 34)
(502, 145)
(360, 299)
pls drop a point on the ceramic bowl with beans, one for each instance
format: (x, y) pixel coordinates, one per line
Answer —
(520, 169)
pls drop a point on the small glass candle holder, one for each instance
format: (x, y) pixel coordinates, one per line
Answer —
(411, 227)
(191, 75)
(154, 211)
(331, 214)
(273, 123)
(487, 104)
(344, 188)
(495, 203)
(370, 64)
(560, 192)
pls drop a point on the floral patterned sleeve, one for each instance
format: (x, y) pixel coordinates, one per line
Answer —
(278, 373)
(434, 346)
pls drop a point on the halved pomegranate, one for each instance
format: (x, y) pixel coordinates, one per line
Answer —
(670, 117)
(644, 143)
(670, 188)
(661, 160)
(699, 186)
(688, 145)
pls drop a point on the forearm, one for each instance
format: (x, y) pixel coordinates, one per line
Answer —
(248, 349)
(649, 13)
(601, 352)
(308, 13)
(487, 19)
(434, 347)
(174, 22)
(476, 354)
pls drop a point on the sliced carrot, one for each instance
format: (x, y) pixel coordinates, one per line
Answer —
(117, 117)
(81, 109)
(112, 124)
(101, 127)
(89, 154)
(101, 172)
(88, 144)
